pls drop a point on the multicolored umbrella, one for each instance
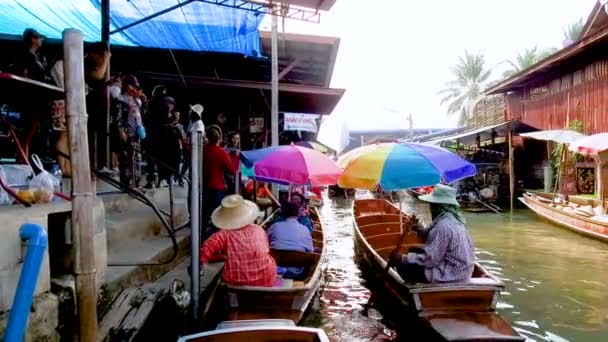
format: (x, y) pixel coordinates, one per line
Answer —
(317, 146)
(291, 164)
(396, 166)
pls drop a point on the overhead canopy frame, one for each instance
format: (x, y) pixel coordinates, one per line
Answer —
(284, 10)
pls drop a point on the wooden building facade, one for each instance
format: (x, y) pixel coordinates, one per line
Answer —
(570, 85)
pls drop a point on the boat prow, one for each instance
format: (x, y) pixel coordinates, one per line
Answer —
(454, 311)
(262, 330)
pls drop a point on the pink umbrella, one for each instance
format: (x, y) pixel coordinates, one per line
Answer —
(291, 164)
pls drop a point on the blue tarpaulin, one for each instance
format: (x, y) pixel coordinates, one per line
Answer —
(196, 26)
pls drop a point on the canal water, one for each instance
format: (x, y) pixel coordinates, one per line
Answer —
(556, 280)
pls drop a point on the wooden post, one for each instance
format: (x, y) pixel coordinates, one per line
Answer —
(602, 178)
(274, 107)
(82, 196)
(511, 172)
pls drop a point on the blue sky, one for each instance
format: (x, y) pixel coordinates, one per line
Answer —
(395, 55)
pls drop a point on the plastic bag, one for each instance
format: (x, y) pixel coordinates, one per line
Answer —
(5, 198)
(43, 184)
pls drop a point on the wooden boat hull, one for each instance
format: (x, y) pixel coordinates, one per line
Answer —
(454, 312)
(255, 302)
(258, 331)
(541, 205)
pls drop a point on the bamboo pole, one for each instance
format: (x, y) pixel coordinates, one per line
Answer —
(511, 172)
(82, 196)
(274, 107)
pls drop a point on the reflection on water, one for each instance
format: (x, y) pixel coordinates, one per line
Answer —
(556, 284)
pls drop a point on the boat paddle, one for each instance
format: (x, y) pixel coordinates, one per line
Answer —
(389, 262)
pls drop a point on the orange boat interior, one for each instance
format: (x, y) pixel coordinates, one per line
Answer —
(378, 222)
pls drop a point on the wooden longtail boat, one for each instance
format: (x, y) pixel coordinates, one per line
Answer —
(540, 203)
(289, 299)
(453, 312)
(258, 331)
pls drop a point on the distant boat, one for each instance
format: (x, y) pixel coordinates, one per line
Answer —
(454, 311)
(575, 220)
(264, 330)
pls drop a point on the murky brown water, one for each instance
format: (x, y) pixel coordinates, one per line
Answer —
(557, 281)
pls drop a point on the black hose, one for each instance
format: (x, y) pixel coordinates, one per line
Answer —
(144, 199)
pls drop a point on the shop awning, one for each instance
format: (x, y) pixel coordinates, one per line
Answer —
(485, 133)
(196, 26)
(293, 98)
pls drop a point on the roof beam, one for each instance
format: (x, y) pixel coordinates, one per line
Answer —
(289, 67)
(150, 17)
(279, 10)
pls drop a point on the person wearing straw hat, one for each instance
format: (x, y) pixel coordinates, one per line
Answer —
(448, 254)
(244, 244)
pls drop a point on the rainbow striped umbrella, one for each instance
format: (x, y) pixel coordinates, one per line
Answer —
(396, 166)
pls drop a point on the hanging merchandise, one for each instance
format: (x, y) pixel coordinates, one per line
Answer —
(43, 185)
(5, 199)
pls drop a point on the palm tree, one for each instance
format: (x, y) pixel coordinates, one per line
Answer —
(464, 91)
(573, 31)
(526, 59)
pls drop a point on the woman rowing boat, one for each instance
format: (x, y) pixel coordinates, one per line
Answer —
(448, 254)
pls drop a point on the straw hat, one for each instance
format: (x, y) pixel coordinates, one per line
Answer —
(442, 194)
(234, 213)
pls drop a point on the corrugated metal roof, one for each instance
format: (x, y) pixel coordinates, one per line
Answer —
(485, 133)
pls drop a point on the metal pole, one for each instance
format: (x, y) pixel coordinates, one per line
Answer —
(82, 197)
(195, 210)
(274, 108)
(105, 38)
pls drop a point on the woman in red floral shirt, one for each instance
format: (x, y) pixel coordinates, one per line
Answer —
(244, 244)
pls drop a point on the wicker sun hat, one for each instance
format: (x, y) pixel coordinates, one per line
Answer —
(234, 213)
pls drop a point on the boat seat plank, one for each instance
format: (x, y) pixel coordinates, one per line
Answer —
(380, 228)
(473, 327)
(385, 252)
(363, 221)
(295, 258)
(390, 240)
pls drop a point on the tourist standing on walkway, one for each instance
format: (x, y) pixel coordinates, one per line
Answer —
(170, 149)
(216, 163)
(31, 63)
(233, 148)
(242, 243)
(161, 106)
(96, 63)
(128, 131)
(448, 254)
(195, 124)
